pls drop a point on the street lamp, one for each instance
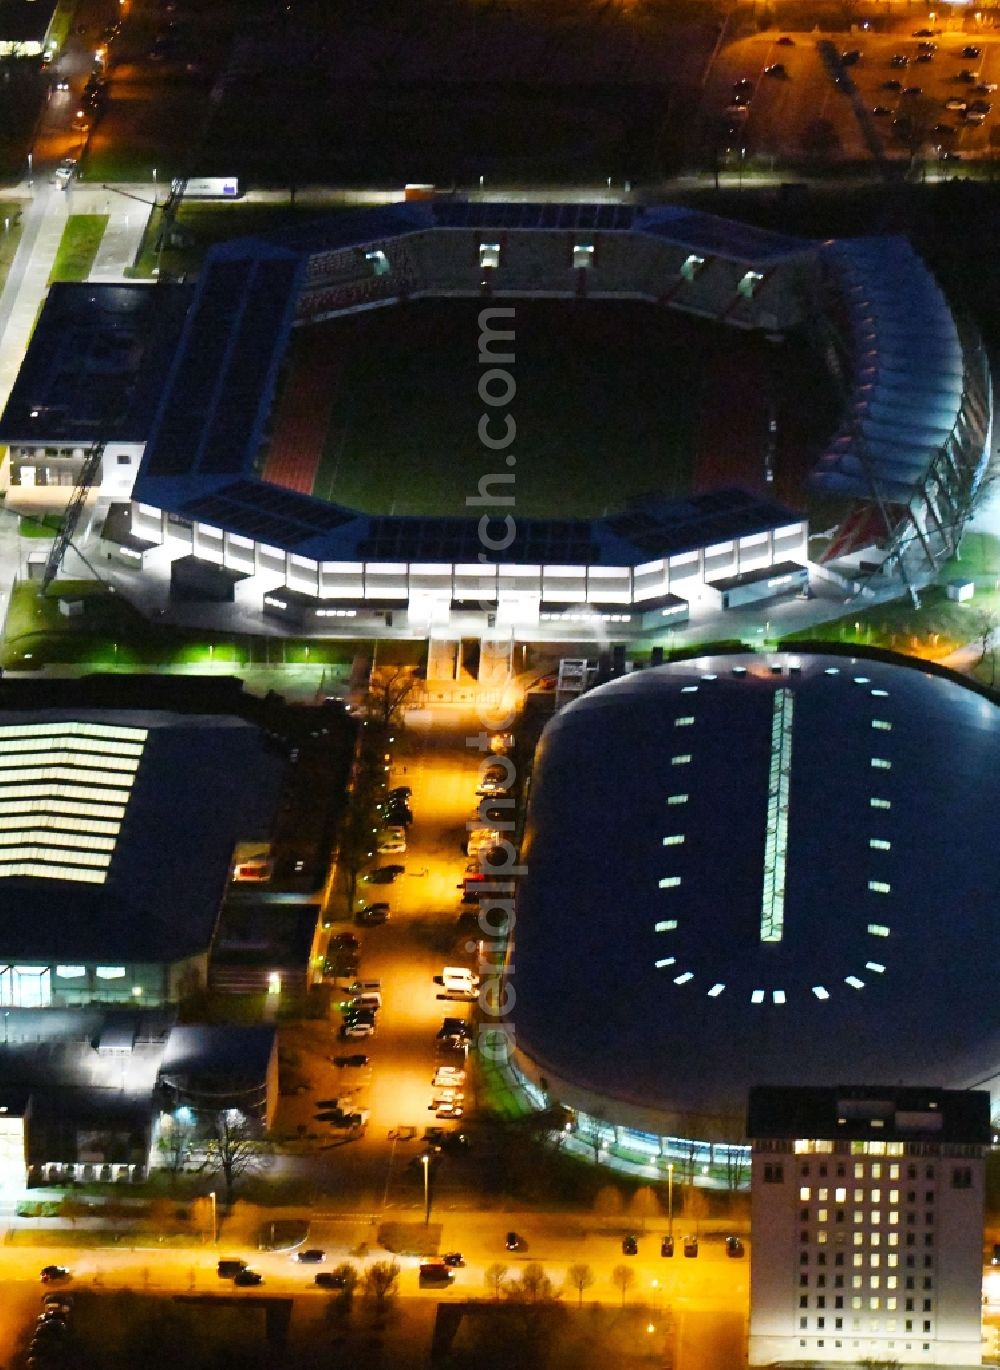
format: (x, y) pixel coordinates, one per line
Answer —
(215, 1230)
(426, 1160)
(670, 1200)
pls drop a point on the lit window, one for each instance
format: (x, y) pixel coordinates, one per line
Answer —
(665, 961)
(778, 996)
(583, 256)
(876, 966)
(670, 882)
(874, 1303)
(856, 1301)
(861, 680)
(820, 992)
(878, 930)
(832, 670)
(879, 844)
(667, 925)
(880, 694)
(683, 979)
(821, 1237)
(854, 982)
(110, 972)
(882, 725)
(681, 760)
(379, 262)
(823, 1215)
(489, 256)
(716, 990)
(874, 1281)
(674, 840)
(689, 689)
(805, 1193)
(678, 799)
(879, 887)
(880, 803)
(893, 1217)
(840, 1196)
(880, 763)
(859, 1216)
(823, 1195)
(757, 997)
(858, 1238)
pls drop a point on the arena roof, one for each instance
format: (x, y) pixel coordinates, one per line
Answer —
(101, 871)
(793, 885)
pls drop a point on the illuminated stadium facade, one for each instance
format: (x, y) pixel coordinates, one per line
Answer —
(793, 885)
(904, 462)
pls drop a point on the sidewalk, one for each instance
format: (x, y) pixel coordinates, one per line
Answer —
(43, 221)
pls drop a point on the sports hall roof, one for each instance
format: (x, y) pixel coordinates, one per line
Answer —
(793, 885)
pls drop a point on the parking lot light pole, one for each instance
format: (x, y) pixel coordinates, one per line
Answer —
(670, 1200)
(215, 1228)
(425, 1158)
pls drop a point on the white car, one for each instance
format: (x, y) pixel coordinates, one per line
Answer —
(358, 1030)
(391, 842)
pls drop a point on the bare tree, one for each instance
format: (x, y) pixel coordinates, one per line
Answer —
(608, 1201)
(695, 1206)
(388, 690)
(236, 1149)
(644, 1204)
(580, 1277)
(493, 1277)
(175, 1143)
(348, 1274)
(623, 1278)
(534, 1286)
(380, 1282)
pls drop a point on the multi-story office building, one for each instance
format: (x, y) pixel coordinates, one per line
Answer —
(867, 1216)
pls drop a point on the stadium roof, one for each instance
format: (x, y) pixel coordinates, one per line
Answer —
(793, 885)
(128, 864)
(203, 1051)
(909, 371)
(96, 365)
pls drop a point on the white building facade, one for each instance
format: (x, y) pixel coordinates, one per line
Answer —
(867, 1234)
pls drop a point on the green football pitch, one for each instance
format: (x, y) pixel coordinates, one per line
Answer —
(608, 403)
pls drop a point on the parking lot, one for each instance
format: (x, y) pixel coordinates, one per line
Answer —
(800, 111)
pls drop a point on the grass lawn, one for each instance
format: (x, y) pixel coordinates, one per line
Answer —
(10, 235)
(207, 224)
(44, 527)
(112, 635)
(607, 408)
(80, 240)
(940, 626)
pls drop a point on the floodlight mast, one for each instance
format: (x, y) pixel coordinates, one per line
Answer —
(64, 538)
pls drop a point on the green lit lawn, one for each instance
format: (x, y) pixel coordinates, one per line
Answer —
(937, 628)
(45, 527)
(80, 241)
(111, 635)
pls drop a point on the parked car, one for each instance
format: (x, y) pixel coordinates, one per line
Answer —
(513, 1242)
(785, 42)
(372, 916)
(734, 1247)
(899, 59)
(229, 1267)
(312, 1255)
(985, 88)
(331, 1279)
(971, 51)
(850, 58)
(384, 875)
(355, 1060)
(245, 1278)
(892, 85)
(344, 939)
(630, 1246)
(912, 90)
(453, 1258)
(881, 111)
(359, 1029)
(51, 1273)
(776, 69)
(690, 1246)
(667, 1246)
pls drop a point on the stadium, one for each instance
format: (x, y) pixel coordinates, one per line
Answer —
(267, 461)
(794, 885)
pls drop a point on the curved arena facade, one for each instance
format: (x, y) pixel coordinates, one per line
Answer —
(746, 871)
(904, 462)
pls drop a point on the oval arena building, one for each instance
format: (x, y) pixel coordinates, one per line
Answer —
(748, 870)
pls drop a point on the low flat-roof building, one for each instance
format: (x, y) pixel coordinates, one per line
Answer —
(867, 1222)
